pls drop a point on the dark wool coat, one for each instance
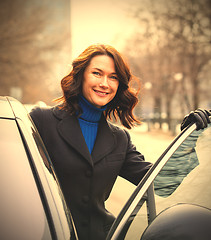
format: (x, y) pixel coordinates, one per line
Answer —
(87, 179)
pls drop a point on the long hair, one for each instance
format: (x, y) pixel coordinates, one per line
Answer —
(125, 100)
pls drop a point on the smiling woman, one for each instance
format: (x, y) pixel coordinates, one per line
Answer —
(101, 73)
(100, 81)
(87, 151)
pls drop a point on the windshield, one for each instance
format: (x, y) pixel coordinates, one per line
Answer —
(185, 178)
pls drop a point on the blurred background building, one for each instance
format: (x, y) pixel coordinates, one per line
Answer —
(167, 44)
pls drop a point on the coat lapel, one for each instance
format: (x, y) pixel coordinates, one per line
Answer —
(69, 129)
(105, 141)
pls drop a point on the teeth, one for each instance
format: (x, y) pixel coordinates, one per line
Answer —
(100, 92)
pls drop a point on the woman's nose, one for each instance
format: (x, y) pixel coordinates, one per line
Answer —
(104, 81)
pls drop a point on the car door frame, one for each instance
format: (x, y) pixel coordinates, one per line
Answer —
(59, 218)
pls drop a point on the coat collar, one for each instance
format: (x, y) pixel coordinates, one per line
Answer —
(69, 129)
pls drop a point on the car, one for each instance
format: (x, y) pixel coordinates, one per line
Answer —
(32, 205)
(172, 201)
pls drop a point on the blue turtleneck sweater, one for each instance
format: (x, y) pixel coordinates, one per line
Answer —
(89, 121)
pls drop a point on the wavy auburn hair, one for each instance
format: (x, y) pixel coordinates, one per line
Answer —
(125, 100)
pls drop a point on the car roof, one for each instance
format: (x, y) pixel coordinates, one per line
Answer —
(5, 108)
(11, 108)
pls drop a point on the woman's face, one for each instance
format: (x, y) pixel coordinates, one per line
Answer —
(100, 81)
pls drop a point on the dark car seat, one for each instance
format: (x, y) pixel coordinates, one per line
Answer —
(180, 222)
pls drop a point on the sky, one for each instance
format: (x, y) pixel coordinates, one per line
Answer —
(100, 21)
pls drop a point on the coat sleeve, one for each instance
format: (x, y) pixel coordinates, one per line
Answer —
(134, 167)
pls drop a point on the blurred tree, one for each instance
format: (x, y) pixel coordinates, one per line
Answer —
(174, 39)
(28, 41)
(189, 25)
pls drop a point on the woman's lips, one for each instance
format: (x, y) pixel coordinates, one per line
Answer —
(100, 93)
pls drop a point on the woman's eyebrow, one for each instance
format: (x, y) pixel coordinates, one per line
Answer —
(97, 69)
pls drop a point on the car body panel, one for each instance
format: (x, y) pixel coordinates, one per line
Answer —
(57, 214)
(19, 218)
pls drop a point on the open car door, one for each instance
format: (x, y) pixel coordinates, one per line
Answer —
(181, 175)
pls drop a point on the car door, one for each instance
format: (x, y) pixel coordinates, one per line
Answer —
(180, 175)
(32, 204)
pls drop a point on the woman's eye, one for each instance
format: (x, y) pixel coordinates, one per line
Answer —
(114, 77)
(96, 73)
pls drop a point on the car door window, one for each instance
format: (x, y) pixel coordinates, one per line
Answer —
(181, 163)
(188, 178)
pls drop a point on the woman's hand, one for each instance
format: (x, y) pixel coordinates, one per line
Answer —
(200, 116)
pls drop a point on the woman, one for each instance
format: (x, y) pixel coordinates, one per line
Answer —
(88, 152)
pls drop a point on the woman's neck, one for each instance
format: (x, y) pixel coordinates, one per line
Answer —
(90, 112)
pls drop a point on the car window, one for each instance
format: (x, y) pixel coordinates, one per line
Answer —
(21, 211)
(187, 174)
(185, 178)
(181, 163)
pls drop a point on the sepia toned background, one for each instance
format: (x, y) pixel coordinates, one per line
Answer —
(167, 44)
